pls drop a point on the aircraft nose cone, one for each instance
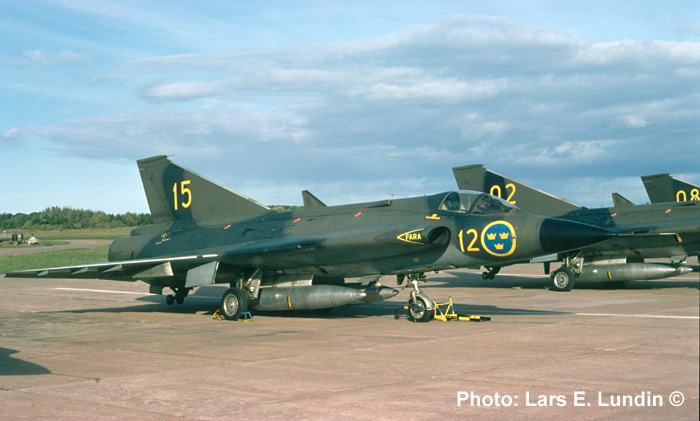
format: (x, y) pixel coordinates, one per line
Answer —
(558, 235)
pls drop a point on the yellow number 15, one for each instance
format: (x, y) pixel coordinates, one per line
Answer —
(184, 191)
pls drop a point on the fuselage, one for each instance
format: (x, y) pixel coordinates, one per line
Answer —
(678, 224)
(446, 230)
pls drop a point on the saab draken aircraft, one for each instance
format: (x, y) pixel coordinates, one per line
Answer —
(668, 230)
(203, 234)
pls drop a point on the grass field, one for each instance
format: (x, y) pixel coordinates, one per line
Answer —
(61, 257)
(81, 234)
(53, 258)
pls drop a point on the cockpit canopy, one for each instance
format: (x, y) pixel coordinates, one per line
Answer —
(475, 203)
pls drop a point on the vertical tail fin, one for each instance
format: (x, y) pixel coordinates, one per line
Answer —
(529, 199)
(311, 201)
(620, 200)
(177, 194)
(664, 188)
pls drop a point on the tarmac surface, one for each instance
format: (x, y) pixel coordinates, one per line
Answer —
(76, 349)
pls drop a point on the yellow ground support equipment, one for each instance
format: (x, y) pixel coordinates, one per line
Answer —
(449, 313)
(245, 316)
(444, 312)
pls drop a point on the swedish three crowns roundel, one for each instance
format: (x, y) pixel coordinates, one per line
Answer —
(498, 238)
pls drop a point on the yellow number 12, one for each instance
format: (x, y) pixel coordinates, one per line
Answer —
(184, 191)
(470, 247)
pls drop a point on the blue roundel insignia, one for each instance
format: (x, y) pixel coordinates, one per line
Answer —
(498, 238)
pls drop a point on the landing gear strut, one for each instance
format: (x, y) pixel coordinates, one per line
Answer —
(564, 278)
(179, 297)
(491, 272)
(420, 307)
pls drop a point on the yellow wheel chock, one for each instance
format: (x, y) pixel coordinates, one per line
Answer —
(449, 313)
(245, 316)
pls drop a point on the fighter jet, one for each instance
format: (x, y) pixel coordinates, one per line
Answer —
(664, 188)
(204, 233)
(670, 230)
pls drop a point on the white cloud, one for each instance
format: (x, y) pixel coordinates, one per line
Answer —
(635, 121)
(451, 90)
(652, 53)
(182, 91)
(408, 106)
(44, 58)
(12, 134)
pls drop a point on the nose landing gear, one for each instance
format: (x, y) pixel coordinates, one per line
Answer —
(420, 307)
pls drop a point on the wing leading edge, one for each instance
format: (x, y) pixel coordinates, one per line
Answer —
(125, 270)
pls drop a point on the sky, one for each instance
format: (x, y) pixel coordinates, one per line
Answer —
(354, 101)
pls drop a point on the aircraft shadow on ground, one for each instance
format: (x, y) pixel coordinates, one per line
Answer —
(204, 300)
(11, 366)
(208, 298)
(474, 280)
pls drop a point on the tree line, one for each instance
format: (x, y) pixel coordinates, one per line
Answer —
(56, 218)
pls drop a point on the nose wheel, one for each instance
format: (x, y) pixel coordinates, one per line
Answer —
(420, 307)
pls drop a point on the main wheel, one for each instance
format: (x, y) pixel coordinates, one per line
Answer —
(418, 311)
(563, 279)
(490, 273)
(233, 303)
(170, 299)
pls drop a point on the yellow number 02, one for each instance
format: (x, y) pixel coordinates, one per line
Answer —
(470, 247)
(496, 191)
(184, 191)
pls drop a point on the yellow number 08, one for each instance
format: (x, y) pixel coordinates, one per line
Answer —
(694, 195)
(184, 191)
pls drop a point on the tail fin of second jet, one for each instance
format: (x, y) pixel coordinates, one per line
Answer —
(620, 200)
(664, 188)
(311, 201)
(529, 199)
(178, 194)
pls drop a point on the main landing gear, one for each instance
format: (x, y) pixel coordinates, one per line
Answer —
(564, 278)
(179, 297)
(234, 302)
(491, 272)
